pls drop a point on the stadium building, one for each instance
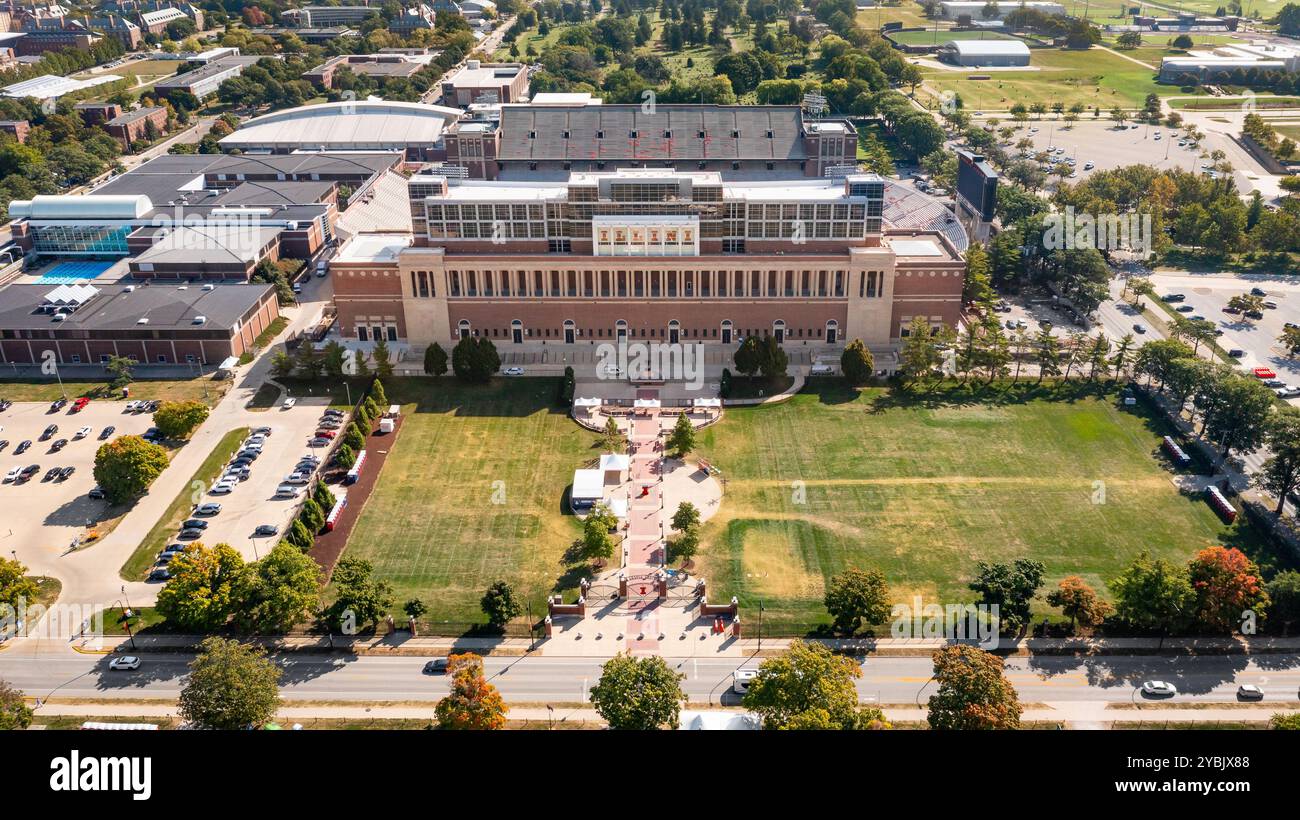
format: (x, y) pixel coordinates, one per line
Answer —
(655, 254)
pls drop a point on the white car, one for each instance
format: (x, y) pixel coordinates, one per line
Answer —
(287, 491)
(223, 487)
(1159, 689)
(1249, 691)
(13, 474)
(513, 371)
(82, 433)
(126, 662)
(131, 405)
(288, 403)
(296, 479)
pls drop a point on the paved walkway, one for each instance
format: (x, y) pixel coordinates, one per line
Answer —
(645, 552)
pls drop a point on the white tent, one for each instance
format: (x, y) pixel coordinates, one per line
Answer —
(691, 720)
(586, 402)
(646, 403)
(617, 462)
(588, 488)
(707, 402)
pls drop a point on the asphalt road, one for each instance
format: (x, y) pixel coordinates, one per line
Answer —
(541, 679)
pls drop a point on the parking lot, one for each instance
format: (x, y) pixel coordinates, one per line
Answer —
(1106, 146)
(252, 502)
(1208, 294)
(46, 516)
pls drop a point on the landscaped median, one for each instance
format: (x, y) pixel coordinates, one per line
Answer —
(137, 566)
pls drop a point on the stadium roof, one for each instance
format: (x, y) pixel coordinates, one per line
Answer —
(115, 308)
(210, 244)
(49, 86)
(988, 48)
(347, 125)
(671, 132)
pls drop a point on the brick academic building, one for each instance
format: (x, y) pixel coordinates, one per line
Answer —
(655, 254)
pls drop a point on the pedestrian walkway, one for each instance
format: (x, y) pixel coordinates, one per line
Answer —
(645, 552)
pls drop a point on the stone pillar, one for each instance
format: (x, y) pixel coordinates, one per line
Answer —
(661, 582)
(735, 627)
(622, 585)
(700, 589)
(411, 625)
(582, 606)
(548, 626)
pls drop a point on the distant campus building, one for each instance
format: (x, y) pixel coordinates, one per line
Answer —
(983, 53)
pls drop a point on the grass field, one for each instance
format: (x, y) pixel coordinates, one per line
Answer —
(929, 37)
(921, 489)
(1093, 77)
(141, 561)
(440, 528)
(204, 389)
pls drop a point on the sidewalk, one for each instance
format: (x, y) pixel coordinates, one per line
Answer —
(400, 643)
(1076, 715)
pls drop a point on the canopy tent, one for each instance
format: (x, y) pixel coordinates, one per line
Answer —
(588, 489)
(618, 506)
(586, 407)
(617, 462)
(692, 720)
(707, 402)
(587, 402)
(648, 404)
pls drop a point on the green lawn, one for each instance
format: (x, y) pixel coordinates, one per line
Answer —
(1093, 77)
(923, 488)
(204, 389)
(141, 561)
(440, 528)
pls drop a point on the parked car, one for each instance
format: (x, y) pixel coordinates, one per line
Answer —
(1184, 308)
(49, 432)
(82, 433)
(297, 479)
(1159, 689)
(58, 445)
(190, 534)
(152, 434)
(208, 508)
(22, 446)
(160, 574)
(265, 529)
(1258, 292)
(288, 403)
(66, 473)
(57, 405)
(1173, 297)
(326, 433)
(1271, 305)
(29, 471)
(106, 432)
(4, 442)
(194, 524)
(287, 491)
(79, 405)
(318, 442)
(262, 431)
(1236, 353)
(96, 492)
(13, 474)
(1254, 314)
(513, 371)
(223, 487)
(1139, 329)
(51, 473)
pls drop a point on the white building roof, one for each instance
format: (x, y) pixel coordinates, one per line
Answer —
(373, 247)
(49, 86)
(565, 98)
(167, 15)
(588, 484)
(90, 206)
(693, 720)
(989, 48)
(355, 125)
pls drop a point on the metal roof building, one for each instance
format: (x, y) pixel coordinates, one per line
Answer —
(370, 125)
(985, 52)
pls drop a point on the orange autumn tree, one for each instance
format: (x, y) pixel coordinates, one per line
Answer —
(1227, 585)
(473, 702)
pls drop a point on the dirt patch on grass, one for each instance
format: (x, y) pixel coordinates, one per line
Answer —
(772, 567)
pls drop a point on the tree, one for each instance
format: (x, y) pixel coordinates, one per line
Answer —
(500, 605)
(686, 517)
(230, 686)
(473, 362)
(1284, 598)
(1009, 587)
(1237, 412)
(119, 372)
(178, 419)
(612, 439)
(435, 360)
(126, 466)
(1153, 594)
(978, 286)
(473, 703)
(597, 543)
(775, 360)
(16, 586)
(1285, 721)
(377, 394)
(14, 711)
(856, 363)
(807, 684)
(682, 439)
(278, 592)
(334, 360)
(1280, 474)
(1079, 601)
(281, 365)
(307, 361)
(638, 693)
(1290, 339)
(920, 354)
(202, 592)
(415, 609)
(972, 693)
(748, 356)
(855, 596)
(383, 358)
(361, 598)
(1227, 586)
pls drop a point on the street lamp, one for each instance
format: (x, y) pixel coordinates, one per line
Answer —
(348, 387)
(128, 600)
(760, 626)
